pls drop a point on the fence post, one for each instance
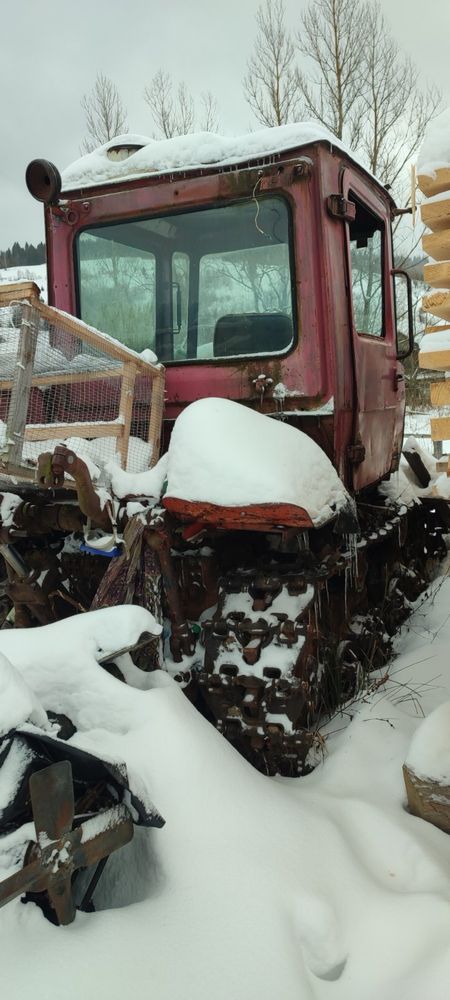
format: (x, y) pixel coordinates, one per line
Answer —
(20, 392)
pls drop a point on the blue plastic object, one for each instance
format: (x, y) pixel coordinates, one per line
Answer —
(84, 547)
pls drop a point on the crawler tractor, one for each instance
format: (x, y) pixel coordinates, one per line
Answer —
(261, 273)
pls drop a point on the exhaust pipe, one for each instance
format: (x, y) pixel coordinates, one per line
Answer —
(43, 181)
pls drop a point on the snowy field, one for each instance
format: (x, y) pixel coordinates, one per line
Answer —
(314, 888)
(35, 272)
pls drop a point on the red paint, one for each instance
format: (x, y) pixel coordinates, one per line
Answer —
(254, 517)
(329, 358)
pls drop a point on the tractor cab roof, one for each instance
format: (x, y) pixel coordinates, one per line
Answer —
(134, 157)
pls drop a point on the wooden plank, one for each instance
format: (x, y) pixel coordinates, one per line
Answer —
(440, 393)
(68, 378)
(437, 275)
(437, 245)
(436, 184)
(20, 393)
(437, 303)
(156, 416)
(440, 428)
(436, 214)
(106, 345)
(437, 329)
(18, 291)
(438, 361)
(44, 432)
(130, 372)
(17, 471)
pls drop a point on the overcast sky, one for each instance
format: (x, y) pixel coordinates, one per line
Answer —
(51, 51)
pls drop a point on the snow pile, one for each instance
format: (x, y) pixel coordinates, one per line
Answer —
(145, 484)
(76, 645)
(326, 883)
(435, 150)
(441, 486)
(402, 486)
(188, 152)
(223, 453)
(98, 453)
(17, 700)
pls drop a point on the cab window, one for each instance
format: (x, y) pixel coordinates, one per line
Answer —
(199, 285)
(366, 235)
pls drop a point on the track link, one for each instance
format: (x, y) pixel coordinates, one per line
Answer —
(292, 640)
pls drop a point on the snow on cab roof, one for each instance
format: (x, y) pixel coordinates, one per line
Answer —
(140, 156)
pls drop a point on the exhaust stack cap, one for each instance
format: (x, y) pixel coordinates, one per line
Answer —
(43, 181)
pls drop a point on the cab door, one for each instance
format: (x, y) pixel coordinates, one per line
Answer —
(379, 389)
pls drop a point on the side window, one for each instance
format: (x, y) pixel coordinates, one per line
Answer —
(366, 235)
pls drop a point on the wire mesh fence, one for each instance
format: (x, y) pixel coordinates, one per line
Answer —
(64, 382)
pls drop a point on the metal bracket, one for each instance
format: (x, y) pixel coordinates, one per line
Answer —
(340, 208)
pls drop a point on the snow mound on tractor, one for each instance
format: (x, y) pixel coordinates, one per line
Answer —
(223, 453)
(188, 152)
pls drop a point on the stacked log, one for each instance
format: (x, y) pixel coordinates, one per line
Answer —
(434, 182)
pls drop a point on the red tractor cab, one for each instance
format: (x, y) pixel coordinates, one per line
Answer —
(263, 277)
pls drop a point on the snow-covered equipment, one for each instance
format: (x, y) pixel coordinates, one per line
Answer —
(259, 272)
(82, 802)
(62, 849)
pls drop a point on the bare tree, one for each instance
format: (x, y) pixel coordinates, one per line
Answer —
(361, 86)
(332, 38)
(209, 121)
(352, 78)
(106, 116)
(173, 108)
(271, 82)
(396, 108)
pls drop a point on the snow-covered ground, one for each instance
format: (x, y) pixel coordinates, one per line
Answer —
(314, 888)
(417, 424)
(320, 888)
(32, 272)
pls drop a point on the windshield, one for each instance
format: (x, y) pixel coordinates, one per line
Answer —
(212, 283)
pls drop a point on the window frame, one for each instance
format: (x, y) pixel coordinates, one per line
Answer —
(359, 200)
(208, 206)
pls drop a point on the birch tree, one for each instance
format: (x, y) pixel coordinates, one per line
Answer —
(343, 68)
(106, 116)
(271, 82)
(357, 82)
(173, 108)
